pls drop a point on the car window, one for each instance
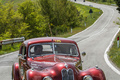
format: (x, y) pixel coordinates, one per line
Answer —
(66, 49)
(23, 51)
(40, 49)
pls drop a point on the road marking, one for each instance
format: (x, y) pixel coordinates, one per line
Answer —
(107, 49)
(95, 23)
(106, 56)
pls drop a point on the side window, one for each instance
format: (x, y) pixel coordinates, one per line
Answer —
(23, 51)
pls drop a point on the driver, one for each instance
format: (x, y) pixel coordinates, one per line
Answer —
(38, 49)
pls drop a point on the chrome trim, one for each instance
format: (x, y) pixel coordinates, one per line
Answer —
(64, 74)
(71, 74)
(67, 74)
(47, 77)
(87, 77)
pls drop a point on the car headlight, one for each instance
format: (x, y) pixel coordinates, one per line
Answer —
(87, 77)
(47, 78)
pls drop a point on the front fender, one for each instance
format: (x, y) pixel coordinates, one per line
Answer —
(96, 73)
(16, 72)
(33, 75)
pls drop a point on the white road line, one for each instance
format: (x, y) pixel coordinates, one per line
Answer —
(106, 56)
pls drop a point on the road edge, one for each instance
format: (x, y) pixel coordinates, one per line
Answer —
(89, 26)
(106, 56)
(4, 55)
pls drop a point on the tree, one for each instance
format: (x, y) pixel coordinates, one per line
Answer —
(62, 14)
(31, 15)
(11, 22)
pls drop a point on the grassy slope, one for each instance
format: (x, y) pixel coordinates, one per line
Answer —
(108, 2)
(15, 1)
(84, 10)
(114, 53)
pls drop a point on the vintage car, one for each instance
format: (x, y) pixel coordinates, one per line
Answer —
(52, 58)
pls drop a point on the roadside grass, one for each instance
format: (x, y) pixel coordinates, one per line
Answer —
(84, 10)
(9, 48)
(108, 2)
(114, 53)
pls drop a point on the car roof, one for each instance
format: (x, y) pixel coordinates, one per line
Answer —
(48, 39)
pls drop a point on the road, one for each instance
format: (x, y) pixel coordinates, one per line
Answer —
(93, 41)
(96, 39)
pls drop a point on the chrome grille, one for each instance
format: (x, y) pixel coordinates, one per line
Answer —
(67, 74)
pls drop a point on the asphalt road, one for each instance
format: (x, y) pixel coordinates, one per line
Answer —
(93, 41)
(96, 39)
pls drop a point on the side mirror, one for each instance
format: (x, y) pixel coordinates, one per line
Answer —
(83, 53)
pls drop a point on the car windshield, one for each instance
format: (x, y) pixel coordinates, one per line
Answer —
(65, 49)
(41, 49)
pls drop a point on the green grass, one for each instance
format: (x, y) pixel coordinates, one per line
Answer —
(14, 1)
(84, 10)
(108, 2)
(114, 53)
(9, 48)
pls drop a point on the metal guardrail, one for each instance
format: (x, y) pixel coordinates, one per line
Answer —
(11, 41)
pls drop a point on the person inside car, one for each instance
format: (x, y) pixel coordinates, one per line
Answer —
(38, 50)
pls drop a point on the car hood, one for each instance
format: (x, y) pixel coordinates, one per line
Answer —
(43, 62)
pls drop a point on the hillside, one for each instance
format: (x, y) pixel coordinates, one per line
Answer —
(35, 24)
(15, 1)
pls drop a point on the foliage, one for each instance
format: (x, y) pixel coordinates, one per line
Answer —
(31, 15)
(118, 4)
(114, 53)
(30, 21)
(86, 18)
(11, 25)
(60, 13)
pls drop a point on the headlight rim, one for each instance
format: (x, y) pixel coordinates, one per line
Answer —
(47, 77)
(88, 76)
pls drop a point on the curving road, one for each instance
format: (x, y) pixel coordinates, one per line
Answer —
(93, 41)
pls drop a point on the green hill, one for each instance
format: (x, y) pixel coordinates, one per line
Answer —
(35, 24)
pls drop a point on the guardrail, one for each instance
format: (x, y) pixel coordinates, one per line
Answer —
(11, 41)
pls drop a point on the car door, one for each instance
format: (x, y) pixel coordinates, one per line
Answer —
(22, 59)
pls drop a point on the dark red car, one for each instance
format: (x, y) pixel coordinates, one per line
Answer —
(52, 58)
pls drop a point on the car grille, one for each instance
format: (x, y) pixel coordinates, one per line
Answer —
(67, 74)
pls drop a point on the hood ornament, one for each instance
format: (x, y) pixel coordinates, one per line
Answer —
(66, 65)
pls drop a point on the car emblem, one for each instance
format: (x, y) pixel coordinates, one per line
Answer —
(66, 65)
